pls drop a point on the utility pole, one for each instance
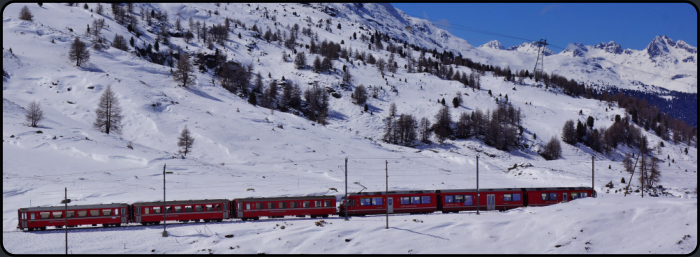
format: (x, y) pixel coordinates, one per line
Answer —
(477, 185)
(165, 233)
(593, 174)
(66, 201)
(386, 171)
(346, 189)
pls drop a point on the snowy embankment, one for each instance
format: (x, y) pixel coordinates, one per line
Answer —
(608, 224)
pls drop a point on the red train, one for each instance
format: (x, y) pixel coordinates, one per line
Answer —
(455, 200)
(359, 204)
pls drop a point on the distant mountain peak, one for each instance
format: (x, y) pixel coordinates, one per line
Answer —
(659, 46)
(610, 47)
(576, 50)
(530, 47)
(493, 44)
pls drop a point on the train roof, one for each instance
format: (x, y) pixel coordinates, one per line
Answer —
(557, 188)
(285, 198)
(394, 192)
(513, 189)
(480, 190)
(75, 207)
(205, 201)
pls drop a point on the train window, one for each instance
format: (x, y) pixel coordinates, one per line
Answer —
(116, 212)
(247, 206)
(553, 196)
(82, 213)
(106, 212)
(71, 214)
(270, 206)
(217, 207)
(507, 197)
(365, 201)
(574, 196)
(425, 199)
(415, 200)
(57, 214)
(377, 201)
(24, 216)
(156, 209)
(198, 208)
(258, 206)
(516, 197)
(305, 204)
(31, 216)
(282, 205)
(405, 200)
(449, 199)
(209, 207)
(44, 215)
(293, 205)
(318, 204)
(188, 208)
(146, 210)
(178, 208)
(584, 195)
(459, 198)
(544, 196)
(468, 200)
(168, 209)
(328, 203)
(94, 213)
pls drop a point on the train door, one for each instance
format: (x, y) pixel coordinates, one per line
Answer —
(490, 202)
(137, 214)
(23, 220)
(390, 204)
(565, 199)
(226, 211)
(124, 215)
(240, 209)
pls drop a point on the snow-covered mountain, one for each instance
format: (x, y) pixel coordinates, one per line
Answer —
(245, 150)
(530, 48)
(493, 44)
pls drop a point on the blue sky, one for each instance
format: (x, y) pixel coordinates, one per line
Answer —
(632, 25)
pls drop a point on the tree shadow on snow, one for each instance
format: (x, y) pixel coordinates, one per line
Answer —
(202, 94)
(91, 67)
(420, 233)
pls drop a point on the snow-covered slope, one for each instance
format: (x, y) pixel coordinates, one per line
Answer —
(240, 146)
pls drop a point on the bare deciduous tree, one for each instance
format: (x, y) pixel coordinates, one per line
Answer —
(185, 141)
(119, 42)
(108, 112)
(183, 70)
(360, 95)
(34, 114)
(552, 150)
(78, 52)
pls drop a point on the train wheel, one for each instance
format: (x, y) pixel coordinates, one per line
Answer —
(185, 221)
(256, 218)
(43, 228)
(118, 224)
(197, 220)
(313, 216)
(59, 226)
(157, 222)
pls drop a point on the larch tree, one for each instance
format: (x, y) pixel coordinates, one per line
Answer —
(552, 150)
(183, 70)
(25, 14)
(568, 133)
(79, 52)
(185, 141)
(34, 114)
(108, 112)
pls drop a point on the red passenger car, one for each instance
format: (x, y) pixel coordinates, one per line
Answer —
(553, 195)
(278, 207)
(399, 202)
(41, 217)
(455, 200)
(190, 210)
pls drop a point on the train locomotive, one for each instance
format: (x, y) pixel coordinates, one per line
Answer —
(356, 204)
